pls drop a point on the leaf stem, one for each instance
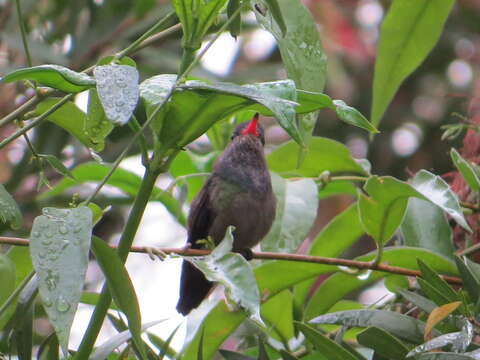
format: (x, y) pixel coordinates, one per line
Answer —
(23, 32)
(155, 28)
(35, 122)
(270, 256)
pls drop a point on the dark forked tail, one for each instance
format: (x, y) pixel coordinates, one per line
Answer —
(194, 287)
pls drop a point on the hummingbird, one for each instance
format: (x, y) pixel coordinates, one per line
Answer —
(238, 193)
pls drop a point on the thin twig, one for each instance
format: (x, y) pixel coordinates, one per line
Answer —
(364, 265)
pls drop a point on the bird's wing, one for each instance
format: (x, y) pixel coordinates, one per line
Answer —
(201, 216)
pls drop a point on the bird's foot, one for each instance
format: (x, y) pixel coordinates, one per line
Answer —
(154, 253)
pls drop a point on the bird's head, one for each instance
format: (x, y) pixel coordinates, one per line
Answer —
(251, 128)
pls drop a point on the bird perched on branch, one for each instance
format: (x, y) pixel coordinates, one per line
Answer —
(238, 193)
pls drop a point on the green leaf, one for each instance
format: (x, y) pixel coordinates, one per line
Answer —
(220, 322)
(409, 32)
(327, 347)
(300, 47)
(101, 352)
(59, 245)
(437, 282)
(383, 343)
(471, 282)
(436, 190)
(9, 210)
(402, 326)
(425, 225)
(337, 236)
(163, 346)
(322, 155)
(395, 283)
(232, 271)
(466, 169)
(55, 76)
(209, 11)
(232, 355)
(329, 293)
(7, 277)
(117, 87)
(352, 116)
(97, 127)
(432, 293)
(297, 203)
(120, 286)
(122, 179)
(23, 335)
(49, 348)
(382, 211)
(70, 118)
(278, 314)
(56, 164)
(235, 26)
(422, 302)
(183, 9)
(444, 356)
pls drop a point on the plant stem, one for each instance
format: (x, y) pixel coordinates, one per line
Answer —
(364, 265)
(23, 32)
(349, 178)
(35, 122)
(135, 127)
(124, 245)
(155, 28)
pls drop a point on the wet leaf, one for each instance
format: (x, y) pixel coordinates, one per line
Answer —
(402, 326)
(9, 210)
(117, 87)
(436, 190)
(54, 76)
(297, 203)
(232, 271)
(97, 127)
(59, 245)
(409, 32)
(422, 302)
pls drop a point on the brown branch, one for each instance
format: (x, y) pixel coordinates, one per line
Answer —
(270, 256)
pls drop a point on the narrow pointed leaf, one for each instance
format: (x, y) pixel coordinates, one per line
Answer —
(327, 347)
(232, 355)
(352, 116)
(54, 76)
(23, 335)
(409, 32)
(9, 210)
(117, 87)
(57, 165)
(466, 169)
(235, 26)
(470, 281)
(49, 349)
(297, 203)
(437, 315)
(120, 286)
(59, 245)
(437, 282)
(209, 11)
(422, 302)
(383, 343)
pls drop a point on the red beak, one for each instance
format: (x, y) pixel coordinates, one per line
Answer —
(252, 127)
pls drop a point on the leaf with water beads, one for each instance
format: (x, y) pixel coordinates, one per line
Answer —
(9, 210)
(117, 87)
(59, 245)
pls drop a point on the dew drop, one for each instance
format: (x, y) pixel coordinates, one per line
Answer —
(35, 234)
(47, 302)
(48, 234)
(364, 275)
(62, 304)
(51, 280)
(63, 230)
